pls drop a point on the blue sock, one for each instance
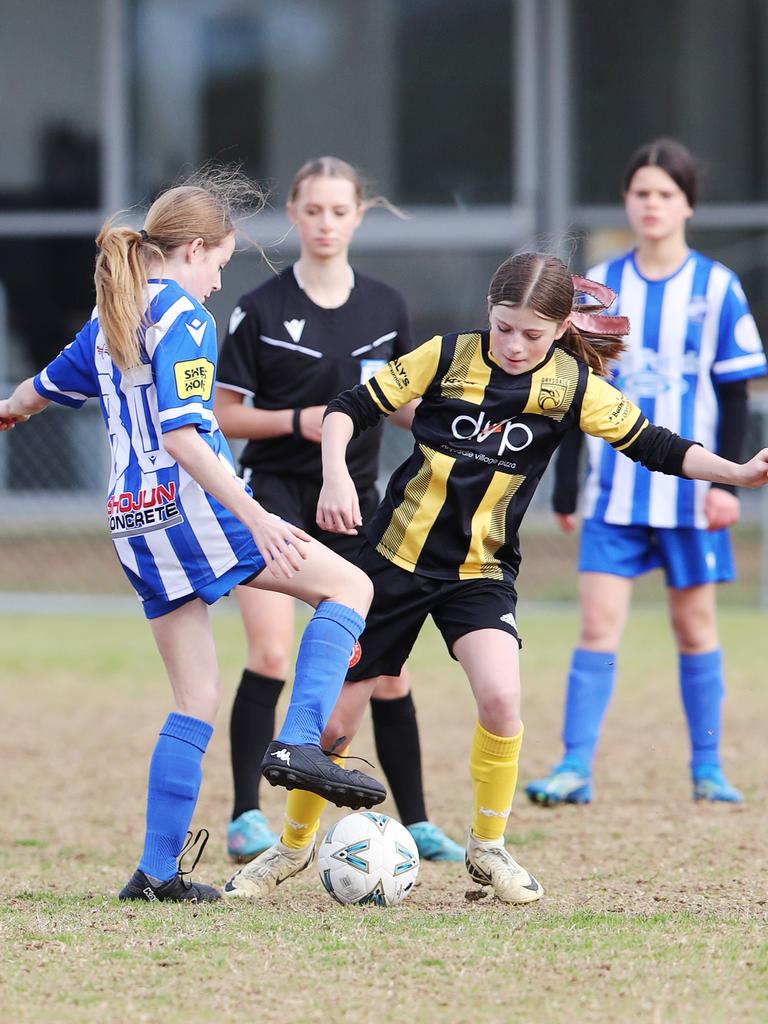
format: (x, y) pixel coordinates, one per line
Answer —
(701, 687)
(590, 685)
(321, 667)
(175, 774)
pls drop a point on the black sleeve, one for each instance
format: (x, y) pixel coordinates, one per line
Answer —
(358, 405)
(566, 489)
(237, 368)
(732, 425)
(658, 449)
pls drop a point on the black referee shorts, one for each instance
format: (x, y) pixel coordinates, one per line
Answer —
(295, 500)
(403, 600)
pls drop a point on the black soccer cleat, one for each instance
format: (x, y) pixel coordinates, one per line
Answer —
(177, 889)
(306, 766)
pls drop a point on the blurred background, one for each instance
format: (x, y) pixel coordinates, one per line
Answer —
(497, 124)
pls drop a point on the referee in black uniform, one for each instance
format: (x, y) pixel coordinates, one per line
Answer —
(294, 343)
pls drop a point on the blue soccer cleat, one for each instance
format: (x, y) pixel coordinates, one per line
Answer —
(567, 783)
(433, 844)
(248, 836)
(709, 783)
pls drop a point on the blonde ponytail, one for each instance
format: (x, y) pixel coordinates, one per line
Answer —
(205, 206)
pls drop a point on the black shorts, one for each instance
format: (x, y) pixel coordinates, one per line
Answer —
(295, 500)
(403, 600)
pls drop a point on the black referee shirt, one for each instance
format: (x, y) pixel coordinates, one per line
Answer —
(286, 352)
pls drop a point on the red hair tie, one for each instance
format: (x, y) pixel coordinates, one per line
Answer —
(587, 318)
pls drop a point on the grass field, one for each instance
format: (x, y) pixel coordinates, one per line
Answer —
(655, 908)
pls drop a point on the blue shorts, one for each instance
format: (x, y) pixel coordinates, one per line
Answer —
(248, 567)
(688, 556)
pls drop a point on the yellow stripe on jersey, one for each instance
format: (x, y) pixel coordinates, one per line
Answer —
(488, 529)
(414, 517)
(405, 377)
(467, 377)
(607, 413)
(553, 386)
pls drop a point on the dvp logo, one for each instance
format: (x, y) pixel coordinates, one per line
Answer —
(513, 436)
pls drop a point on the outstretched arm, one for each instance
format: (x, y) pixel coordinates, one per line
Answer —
(23, 403)
(700, 464)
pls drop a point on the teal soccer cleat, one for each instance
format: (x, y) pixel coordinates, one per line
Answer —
(248, 836)
(433, 844)
(709, 783)
(567, 783)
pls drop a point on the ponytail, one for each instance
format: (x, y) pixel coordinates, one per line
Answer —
(205, 206)
(121, 289)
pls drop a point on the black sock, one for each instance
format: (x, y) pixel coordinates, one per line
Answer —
(251, 728)
(396, 732)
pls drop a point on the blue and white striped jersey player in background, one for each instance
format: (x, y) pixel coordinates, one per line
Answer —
(185, 528)
(692, 347)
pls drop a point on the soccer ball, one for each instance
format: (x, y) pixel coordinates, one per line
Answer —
(368, 858)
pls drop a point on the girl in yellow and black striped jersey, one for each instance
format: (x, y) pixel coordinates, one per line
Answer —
(495, 404)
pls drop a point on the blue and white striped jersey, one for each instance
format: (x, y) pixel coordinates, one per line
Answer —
(689, 332)
(170, 536)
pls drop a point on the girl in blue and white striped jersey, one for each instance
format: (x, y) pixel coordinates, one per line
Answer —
(185, 528)
(692, 347)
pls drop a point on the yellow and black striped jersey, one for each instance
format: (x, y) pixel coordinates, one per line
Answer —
(483, 439)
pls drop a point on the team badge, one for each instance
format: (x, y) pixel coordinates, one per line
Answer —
(552, 394)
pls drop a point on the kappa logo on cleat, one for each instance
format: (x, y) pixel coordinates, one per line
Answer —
(282, 755)
(150, 894)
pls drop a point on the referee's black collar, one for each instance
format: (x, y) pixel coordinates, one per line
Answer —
(300, 283)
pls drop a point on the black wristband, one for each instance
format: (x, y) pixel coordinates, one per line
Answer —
(296, 422)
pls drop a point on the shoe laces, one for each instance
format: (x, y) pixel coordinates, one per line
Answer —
(200, 841)
(340, 742)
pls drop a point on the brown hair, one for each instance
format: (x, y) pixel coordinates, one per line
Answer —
(205, 206)
(544, 283)
(335, 167)
(671, 156)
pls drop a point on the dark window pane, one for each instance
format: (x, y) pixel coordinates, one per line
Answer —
(694, 69)
(50, 83)
(415, 92)
(454, 101)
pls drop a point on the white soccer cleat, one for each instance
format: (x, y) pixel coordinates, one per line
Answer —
(489, 863)
(263, 875)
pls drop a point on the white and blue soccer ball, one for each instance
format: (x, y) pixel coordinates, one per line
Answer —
(368, 858)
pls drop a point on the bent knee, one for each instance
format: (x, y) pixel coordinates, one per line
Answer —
(392, 687)
(352, 587)
(271, 661)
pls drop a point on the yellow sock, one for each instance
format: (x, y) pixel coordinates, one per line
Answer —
(302, 816)
(493, 767)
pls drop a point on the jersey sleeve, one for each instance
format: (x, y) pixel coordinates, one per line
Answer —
(405, 377)
(739, 352)
(71, 379)
(237, 370)
(184, 368)
(394, 385)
